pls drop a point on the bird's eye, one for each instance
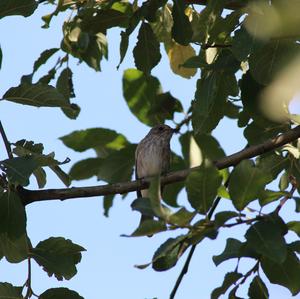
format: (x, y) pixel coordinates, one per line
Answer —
(160, 128)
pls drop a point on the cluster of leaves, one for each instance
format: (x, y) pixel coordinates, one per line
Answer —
(242, 53)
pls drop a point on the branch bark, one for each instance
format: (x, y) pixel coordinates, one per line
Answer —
(30, 196)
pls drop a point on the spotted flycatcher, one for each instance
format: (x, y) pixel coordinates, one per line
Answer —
(152, 156)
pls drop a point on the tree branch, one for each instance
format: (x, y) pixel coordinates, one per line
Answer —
(29, 196)
(6, 142)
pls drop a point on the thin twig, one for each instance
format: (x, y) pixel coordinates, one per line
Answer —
(183, 122)
(286, 198)
(6, 142)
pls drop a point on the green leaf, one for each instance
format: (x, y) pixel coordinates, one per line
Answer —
(85, 169)
(232, 250)
(145, 100)
(181, 217)
(210, 99)
(202, 187)
(269, 60)
(258, 289)
(246, 181)
(61, 175)
(107, 203)
(19, 169)
(147, 51)
(230, 279)
(294, 246)
(41, 177)
(266, 238)
(148, 228)
(182, 30)
(44, 56)
(167, 255)
(39, 95)
(101, 139)
(171, 191)
(12, 215)
(15, 250)
(60, 293)
(286, 274)
(267, 196)
(118, 166)
(23, 8)
(294, 226)
(223, 217)
(123, 46)
(58, 256)
(8, 291)
(244, 44)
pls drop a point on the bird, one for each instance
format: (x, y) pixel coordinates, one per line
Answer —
(152, 156)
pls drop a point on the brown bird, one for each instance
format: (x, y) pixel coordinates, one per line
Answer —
(152, 156)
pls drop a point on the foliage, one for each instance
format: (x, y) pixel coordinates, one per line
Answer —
(243, 55)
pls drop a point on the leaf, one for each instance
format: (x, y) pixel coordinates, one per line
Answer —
(58, 256)
(60, 293)
(181, 217)
(258, 289)
(267, 196)
(202, 187)
(100, 138)
(232, 250)
(107, 203)
(118, 166)
(19, 169)
(145, 100)
(210, 98)
(222, 217)
(171, 191)
(294, 246)
(294, 226)
(146, 52)
(269, 60)
(8, 291)
(61, 175)
(229, 279)
(244, 44)
(39, 95)
(148, 227)
(182, 30)
(24, 8)
(286, 274)
(123, 46)
(178, 54)
(12, 215)
(266, 238)
(167, 255)
(245, 183)
(41, 177)
(15, 250)
(44, 56)
(85, 169)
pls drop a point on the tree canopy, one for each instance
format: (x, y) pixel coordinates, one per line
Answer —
(248, 55)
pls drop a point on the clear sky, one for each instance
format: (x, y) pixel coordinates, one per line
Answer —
(107, 267)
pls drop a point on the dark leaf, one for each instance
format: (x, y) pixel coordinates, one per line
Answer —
(24, 8)
(269, 60)
(266, 238)
(107, 203)
(223, 217)
(258, 289)
(58, 256)
(286, 274)
(232, 250)
(19, 169)
(44, 56)
(39, 95)
(8, 291)
(85, 169)
(167, 255)
(60, 293)
(41, 177)
(202, 187)
(294, 226)
(148, 227)
(267, 196)
(294, 246)
(146, 52)
(182, 30)
(230, 279)
(246, 181)
(145, 100)
(64, 177)
(123, 46)
(181, 217)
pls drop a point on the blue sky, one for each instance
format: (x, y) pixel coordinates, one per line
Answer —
(107, 267)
